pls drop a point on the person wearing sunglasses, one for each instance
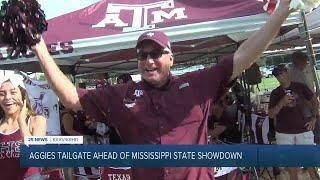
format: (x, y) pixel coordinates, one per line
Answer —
(162, 109)
(289, 106)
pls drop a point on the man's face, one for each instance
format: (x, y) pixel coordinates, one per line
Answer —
(283, 77)
(154, 63)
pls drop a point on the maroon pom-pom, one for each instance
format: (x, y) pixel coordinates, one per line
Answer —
(21, 24)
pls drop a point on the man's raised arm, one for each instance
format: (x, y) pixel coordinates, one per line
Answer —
(255, 45)
(59, 82)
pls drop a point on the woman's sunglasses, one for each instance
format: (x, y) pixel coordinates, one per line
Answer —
(154, 54)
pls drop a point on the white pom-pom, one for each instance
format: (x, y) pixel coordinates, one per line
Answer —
(304, 5)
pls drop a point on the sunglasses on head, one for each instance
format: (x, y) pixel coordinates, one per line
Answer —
(154, 54)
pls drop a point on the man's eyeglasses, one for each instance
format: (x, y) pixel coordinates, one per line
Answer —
(154, 54)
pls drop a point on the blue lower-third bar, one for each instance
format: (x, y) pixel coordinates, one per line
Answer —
(169, 155)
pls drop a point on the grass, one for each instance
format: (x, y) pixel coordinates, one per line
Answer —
(268, 83)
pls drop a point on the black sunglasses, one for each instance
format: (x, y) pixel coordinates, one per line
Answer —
(154, 54)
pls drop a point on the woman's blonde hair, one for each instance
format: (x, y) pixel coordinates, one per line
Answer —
(24, 95)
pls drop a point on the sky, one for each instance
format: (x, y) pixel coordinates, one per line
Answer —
(54, 8)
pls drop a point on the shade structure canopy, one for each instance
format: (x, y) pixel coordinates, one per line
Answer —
(102, 36)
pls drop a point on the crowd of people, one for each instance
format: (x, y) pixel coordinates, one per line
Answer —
(161, 108)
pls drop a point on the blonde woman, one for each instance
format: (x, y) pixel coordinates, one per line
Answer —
(17, 121)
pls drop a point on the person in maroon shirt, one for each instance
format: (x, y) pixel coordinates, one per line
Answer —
(17, 121)
(290, 105)
(222, 121)
(76, 124)
(162, 109)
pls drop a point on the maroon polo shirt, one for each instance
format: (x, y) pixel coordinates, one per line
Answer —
(176, 113)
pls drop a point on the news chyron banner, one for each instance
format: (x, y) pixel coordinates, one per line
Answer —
(53, 155)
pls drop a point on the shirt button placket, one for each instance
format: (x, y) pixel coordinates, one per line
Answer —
(161, 127)
(161, 131)
(166, 173)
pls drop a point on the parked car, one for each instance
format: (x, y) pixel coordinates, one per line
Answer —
(289, 65)
(266, 72)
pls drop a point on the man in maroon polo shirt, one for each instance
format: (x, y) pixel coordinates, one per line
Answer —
(162, 109)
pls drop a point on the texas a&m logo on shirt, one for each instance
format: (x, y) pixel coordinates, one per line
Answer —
(138, 93)
(130, 99)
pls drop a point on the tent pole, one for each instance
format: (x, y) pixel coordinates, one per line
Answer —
(74, 79)
(74, 73)
(304, 32)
